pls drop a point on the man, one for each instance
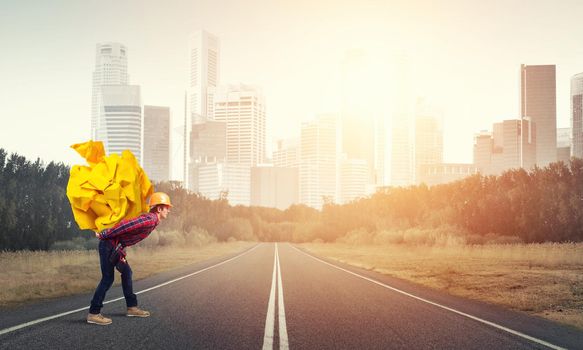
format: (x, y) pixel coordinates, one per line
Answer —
(112, 255)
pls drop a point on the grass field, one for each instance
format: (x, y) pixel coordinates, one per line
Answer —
(27, 276)
(540, 279)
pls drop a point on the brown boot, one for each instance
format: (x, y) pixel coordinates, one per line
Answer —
(98, 319)
(137, 312)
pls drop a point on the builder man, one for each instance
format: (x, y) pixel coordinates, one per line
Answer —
(112, 255)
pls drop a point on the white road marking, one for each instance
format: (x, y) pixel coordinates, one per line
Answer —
(283, 343)
(495, 325)
(48, 318)
(270, 318)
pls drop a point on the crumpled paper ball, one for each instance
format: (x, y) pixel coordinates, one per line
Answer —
(110, 189)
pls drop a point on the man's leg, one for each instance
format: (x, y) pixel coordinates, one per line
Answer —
(126, 283)
(128, 290)
(107, 277)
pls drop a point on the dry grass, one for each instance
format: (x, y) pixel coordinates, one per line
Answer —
(27, 276)
(541, 279)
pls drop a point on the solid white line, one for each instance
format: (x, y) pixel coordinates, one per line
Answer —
(27, 324)
(270, 318)
(283, 342)
(495, 325)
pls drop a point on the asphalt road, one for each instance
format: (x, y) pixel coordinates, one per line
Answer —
(277, 296)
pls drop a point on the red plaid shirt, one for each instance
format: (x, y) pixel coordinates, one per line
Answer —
(130, 231)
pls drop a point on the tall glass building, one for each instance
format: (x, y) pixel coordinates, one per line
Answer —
(319, 161)
(242, 108)
(121, 119)
(157, 142)
(111, 68)
(204, 58)
(539, 102)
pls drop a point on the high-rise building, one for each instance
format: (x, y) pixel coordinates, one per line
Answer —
(381, 172)
(319, 161)
(157, 142)
(428, 137)
(498, 137)
(121, 119)
(353, 179)
(528, 143)
(358, 122)
(208, 145)
(512, 145)
(577, 115)
(204, 59)
(242, 108)
(539, 102)
(402, 151)
(519, 144)
(220, 180)
(209, 179)
(277, 185)
(563, 145)
(483, 146)
(287, 154)
(237, 183)
(274, 187)
(111, 68)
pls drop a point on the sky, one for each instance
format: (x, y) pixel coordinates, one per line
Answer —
(464, 58)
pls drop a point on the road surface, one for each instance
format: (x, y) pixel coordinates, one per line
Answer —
(278, 296)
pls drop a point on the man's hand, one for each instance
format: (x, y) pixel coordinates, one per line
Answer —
(96, 234)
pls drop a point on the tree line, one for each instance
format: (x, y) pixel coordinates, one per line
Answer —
(541, 205)
(34, 209)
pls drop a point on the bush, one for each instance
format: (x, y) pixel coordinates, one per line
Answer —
(440, 236)
(236, 228)
(196, 237)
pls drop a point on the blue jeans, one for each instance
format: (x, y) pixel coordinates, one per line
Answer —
(107, 276)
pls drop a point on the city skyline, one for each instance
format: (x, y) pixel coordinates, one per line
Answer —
(285, 57)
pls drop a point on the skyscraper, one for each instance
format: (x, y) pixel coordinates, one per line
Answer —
(157, 142)
(483, 147)
(319, 161)
(519, 144)
(208, 142)
(512, 145)
(237, 183)
(577, 115)
(287, 154)
(242, 108)
(539, 102)
(402, 152)
(353, 179)
(121, 119)
(204, 58)
(564, 145)
(358, 132)
(428, 137)
(207, 147)
(111, 68)
(274, 187)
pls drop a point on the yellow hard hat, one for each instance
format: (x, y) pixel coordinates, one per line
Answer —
(160, 198)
